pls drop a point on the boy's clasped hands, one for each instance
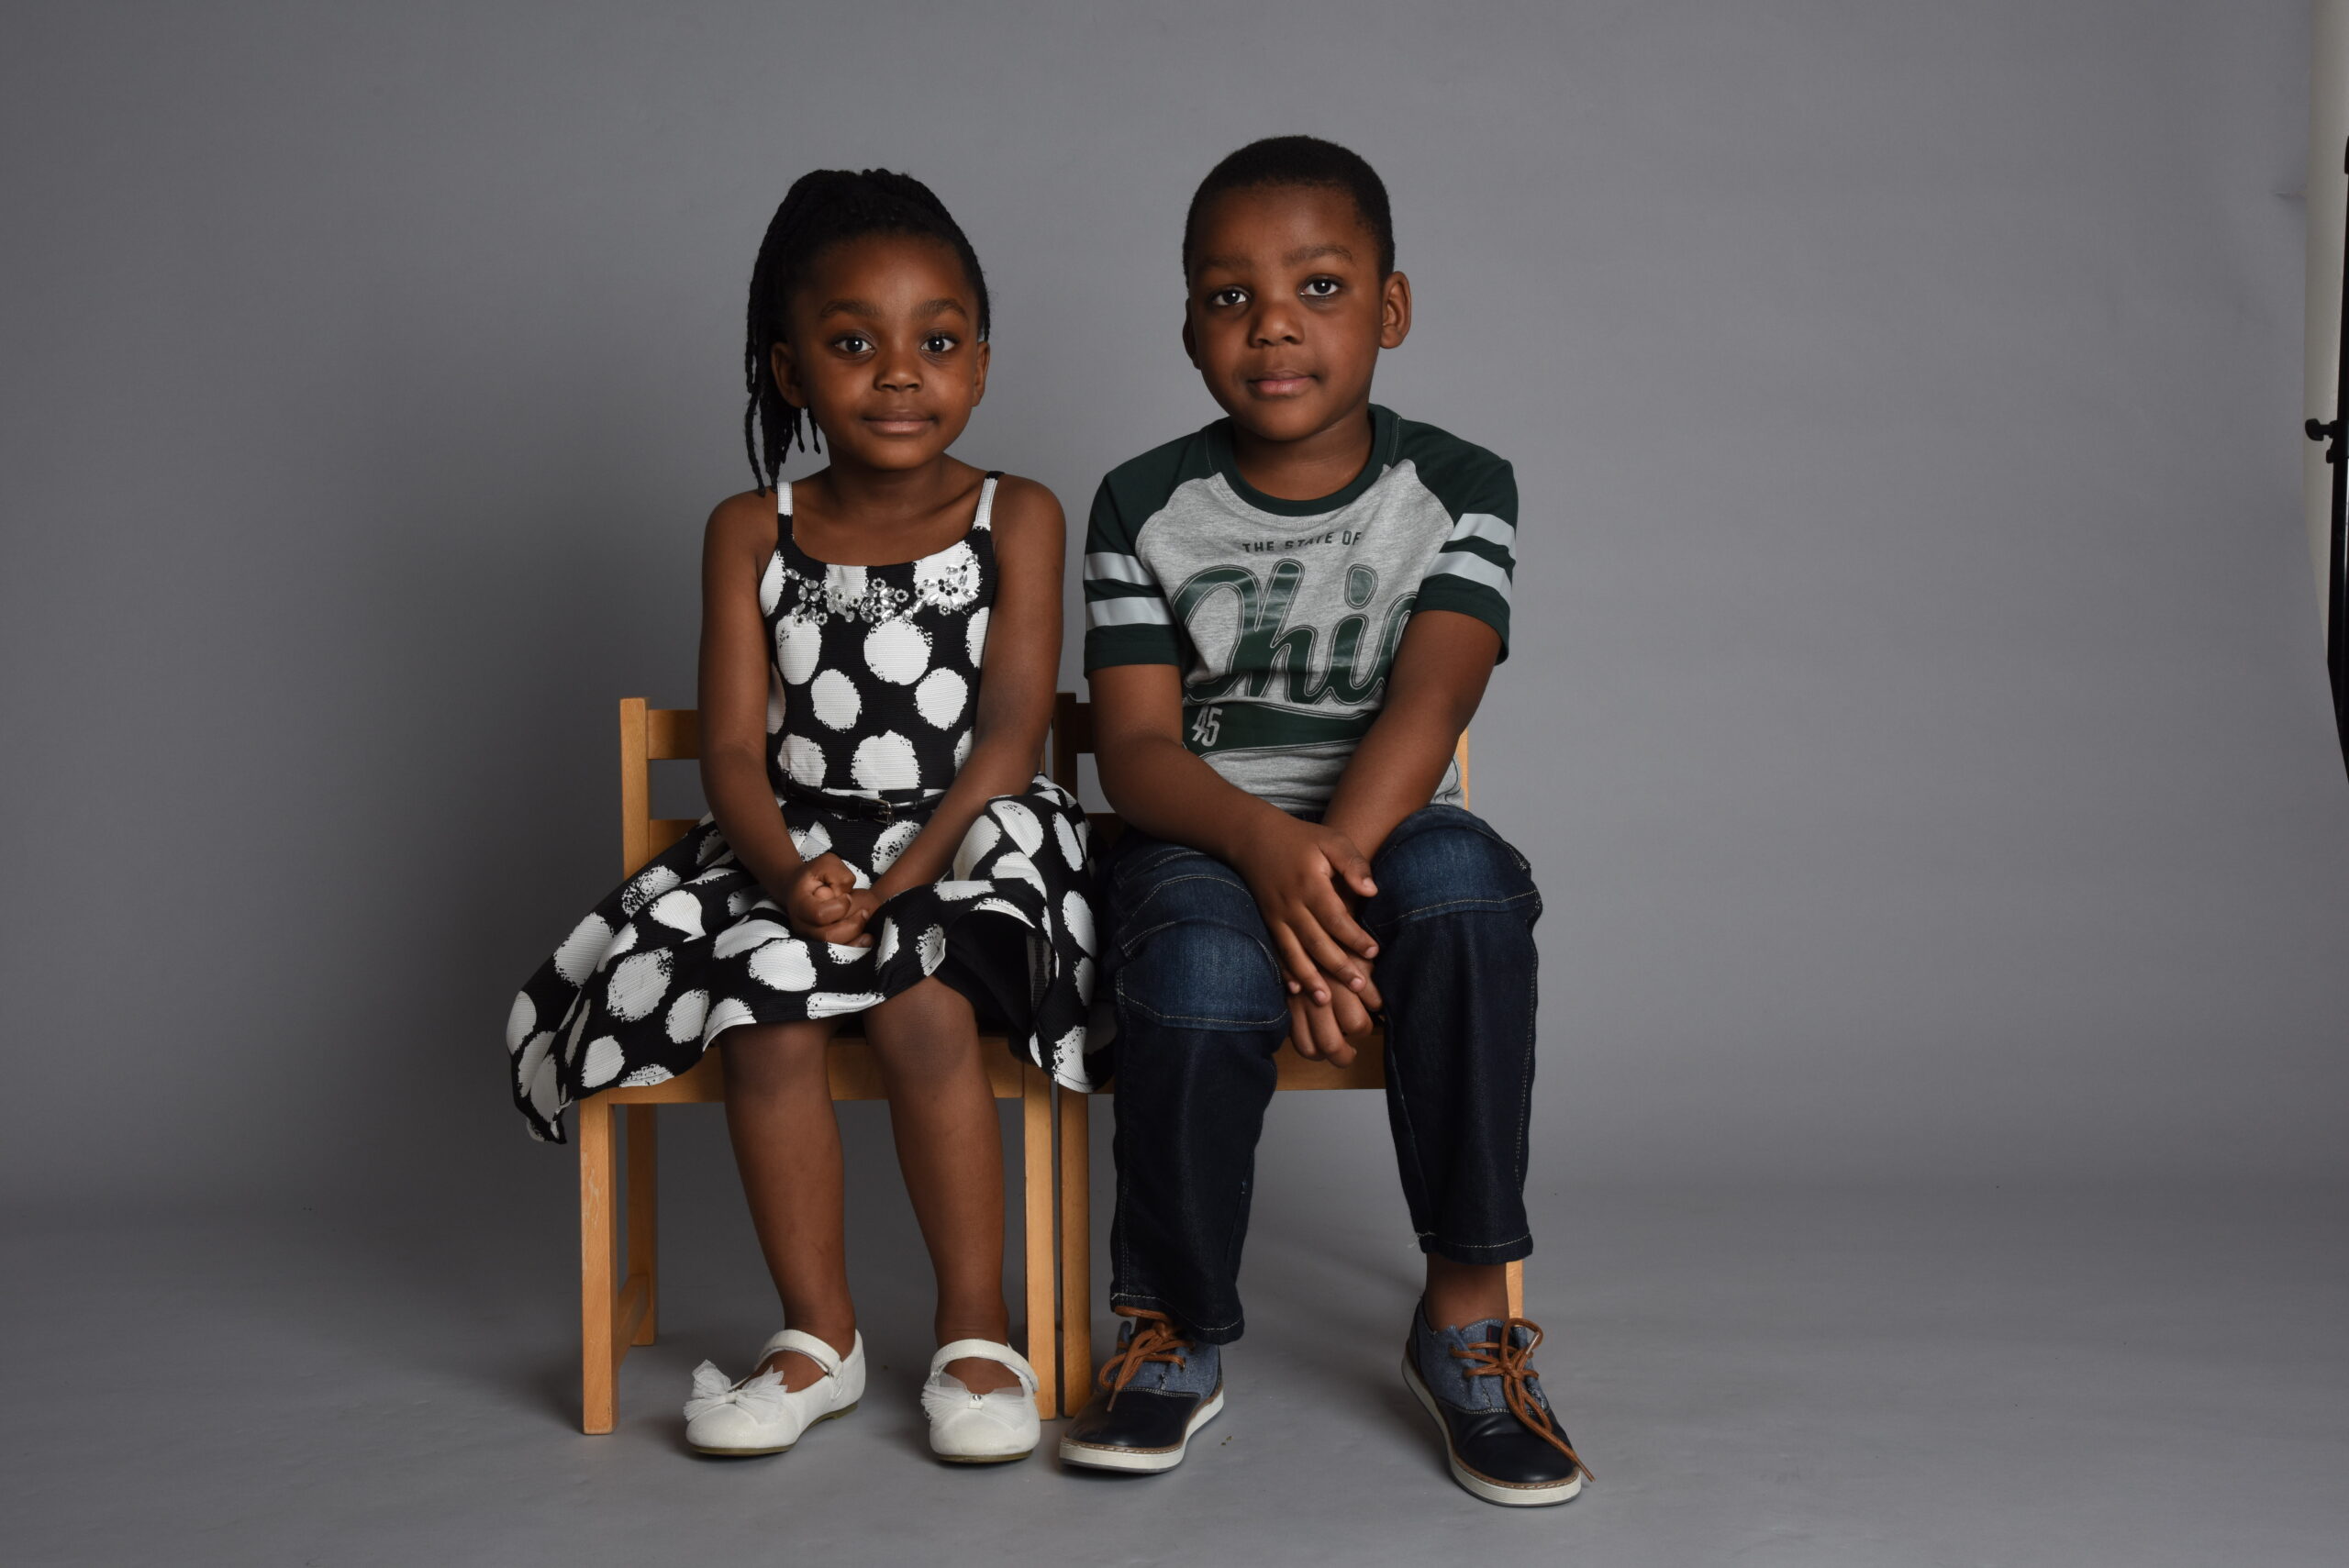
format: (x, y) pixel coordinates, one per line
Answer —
(1301, 874)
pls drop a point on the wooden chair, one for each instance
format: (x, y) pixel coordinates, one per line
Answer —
(1072, 736)
(619, 1311)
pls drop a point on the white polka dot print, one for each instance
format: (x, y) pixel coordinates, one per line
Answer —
(804, 760)
(1072, 850)
(602, 1062)
(811, 840)
(1077, 919)
(1021, 824)
(637, 986)
(974, 639)
(898, 651)
(886, 761)
(895, 841)
(784, 966)
(799, 644)
(940, 698)
(833, 697)
(680, 911)
(519, 1021)
(686, 1015)
(576, 959)
(977, 845)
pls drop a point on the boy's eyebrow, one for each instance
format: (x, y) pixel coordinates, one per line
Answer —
(1301, 254)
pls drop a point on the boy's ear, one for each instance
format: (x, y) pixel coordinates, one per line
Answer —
(1394, 311)
(1190, 343)
(786, 374)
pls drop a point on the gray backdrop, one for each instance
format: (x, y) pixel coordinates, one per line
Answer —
(1916, 717)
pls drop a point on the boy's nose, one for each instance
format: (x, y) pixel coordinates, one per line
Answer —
(1274, 323)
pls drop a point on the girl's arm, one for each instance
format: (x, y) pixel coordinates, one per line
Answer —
(1018, 673)
(735, 548)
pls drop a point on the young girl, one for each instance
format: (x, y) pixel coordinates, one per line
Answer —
(879, 646)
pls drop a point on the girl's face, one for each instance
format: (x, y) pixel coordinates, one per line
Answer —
(884, 350)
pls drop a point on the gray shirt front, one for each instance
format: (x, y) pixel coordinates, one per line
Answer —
(1284, 616)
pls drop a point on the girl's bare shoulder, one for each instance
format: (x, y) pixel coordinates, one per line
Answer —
(1024, 506)
(746, 521)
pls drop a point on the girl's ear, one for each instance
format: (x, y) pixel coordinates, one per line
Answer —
(979, 378)
(1394, 311)
(786, 374)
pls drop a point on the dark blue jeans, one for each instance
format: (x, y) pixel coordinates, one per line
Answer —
(1201, 1008)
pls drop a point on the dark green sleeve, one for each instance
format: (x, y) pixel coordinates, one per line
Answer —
(1471, 574)
(1126, 619)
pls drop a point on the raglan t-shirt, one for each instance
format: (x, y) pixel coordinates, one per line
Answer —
(1282, 616)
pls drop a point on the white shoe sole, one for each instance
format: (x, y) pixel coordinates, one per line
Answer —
(980, 1458)
(784, 1448)
(1547, 1494)
(1142, 1459)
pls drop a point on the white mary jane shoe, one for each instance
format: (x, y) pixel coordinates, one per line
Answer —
(981, 1428)
(759, 1415)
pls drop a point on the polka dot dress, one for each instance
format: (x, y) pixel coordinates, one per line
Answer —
(871, 693)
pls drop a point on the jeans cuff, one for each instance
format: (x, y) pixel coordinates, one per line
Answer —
(1222, 1335)
(1478, 1252)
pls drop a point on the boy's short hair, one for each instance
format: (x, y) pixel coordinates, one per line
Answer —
(1297, 161)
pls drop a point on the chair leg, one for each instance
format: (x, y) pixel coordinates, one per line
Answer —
(1514, 1273)
(599, 1265)
(1036, 1210)
(1076, 1250)
(644, 1215)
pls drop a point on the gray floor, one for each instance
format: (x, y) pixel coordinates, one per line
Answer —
(1799, 1378)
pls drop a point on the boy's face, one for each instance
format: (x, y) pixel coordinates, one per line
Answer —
(1287, 310)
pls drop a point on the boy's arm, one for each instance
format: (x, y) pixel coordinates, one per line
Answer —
(1432, 690)
(1161, 786)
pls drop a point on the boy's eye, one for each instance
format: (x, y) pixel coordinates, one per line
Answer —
(1321, 288)
(937, 343)
(1227, 297)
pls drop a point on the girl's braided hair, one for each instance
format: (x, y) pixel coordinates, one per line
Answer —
(821, 209)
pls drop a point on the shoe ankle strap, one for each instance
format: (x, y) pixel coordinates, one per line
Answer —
(984, 1349)
(808, 1345)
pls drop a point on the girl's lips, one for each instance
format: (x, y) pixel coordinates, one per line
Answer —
(898, 424)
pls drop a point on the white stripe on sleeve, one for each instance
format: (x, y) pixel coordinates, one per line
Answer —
(1134, 611)
(1105, 567)
(1473, 567)
(1480, 525)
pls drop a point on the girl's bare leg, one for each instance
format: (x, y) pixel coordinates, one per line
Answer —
(787, 1147)
(942, 1112)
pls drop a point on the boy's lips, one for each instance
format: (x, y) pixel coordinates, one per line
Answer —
(1280, 383)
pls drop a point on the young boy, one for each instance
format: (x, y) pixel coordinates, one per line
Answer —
(1292, 614)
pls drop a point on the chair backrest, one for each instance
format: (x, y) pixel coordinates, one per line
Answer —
(650, 735)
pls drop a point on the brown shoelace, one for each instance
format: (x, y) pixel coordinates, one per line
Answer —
(1514, 1366)
(1155, 1339)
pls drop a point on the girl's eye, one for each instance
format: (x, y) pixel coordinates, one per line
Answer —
(851, 343)
(1321, 288)
(1229, 297)
(937, 343)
